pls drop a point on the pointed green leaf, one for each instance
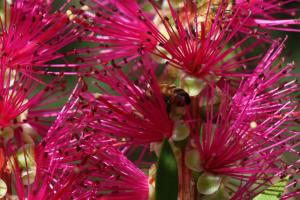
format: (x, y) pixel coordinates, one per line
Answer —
(166, 186)
(274, 192)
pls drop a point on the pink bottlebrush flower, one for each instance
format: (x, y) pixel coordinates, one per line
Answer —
(247, 154)
(32, 36)
(245, 138)
(21, 105)
(15, 99)
(269, 95)
(78, 162)
(42, 114)
(80, 168)
(117, 29)
(136, 110)
(29, 5)
(129, 182)
(264, 14)
(203, 48)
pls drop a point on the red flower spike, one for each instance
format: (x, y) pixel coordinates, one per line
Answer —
(245, 139)
(118, 29)
(15, 99)
(27, 103)
(80, 168)
(138, 112)
(247, 156)
(264, 14)
(269, 96)
(80, 162)
(32, 36)
(202, 49)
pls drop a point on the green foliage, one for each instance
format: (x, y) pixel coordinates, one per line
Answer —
(167, 174)
(274, 192)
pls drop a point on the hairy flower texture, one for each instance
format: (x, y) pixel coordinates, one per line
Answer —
(28, 5)
(32, 37)
(14, 99)
(246, 156)
(77, 168)
(201, 47)
(23, 101)
(264, 14)
(246, 138)
(269, 95)
(136, 110)
(41, 115)
(78, 162)
(117, 28)
(103, 173)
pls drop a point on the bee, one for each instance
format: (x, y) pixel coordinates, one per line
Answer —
(176, 99)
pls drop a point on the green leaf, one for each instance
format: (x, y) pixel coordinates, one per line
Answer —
(166, 186)
(274, 192)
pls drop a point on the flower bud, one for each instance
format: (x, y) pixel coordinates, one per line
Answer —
(208, 183)
(220, 194)
(192, 160)
(180, 132)
(28, 176)
(192, 85)
(3, 188)
(25, 156)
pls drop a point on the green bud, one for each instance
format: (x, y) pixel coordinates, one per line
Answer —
(28, 176)
(26, 156)
(208, 183)
(192, 160)
(220, 194)
(3, 188)
(192, 85)
(181, 132)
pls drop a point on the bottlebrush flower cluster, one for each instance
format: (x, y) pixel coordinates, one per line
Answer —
(94, 92)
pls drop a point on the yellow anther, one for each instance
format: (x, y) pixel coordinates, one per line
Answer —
(253, 124)
(70, 14)
(85, 8)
